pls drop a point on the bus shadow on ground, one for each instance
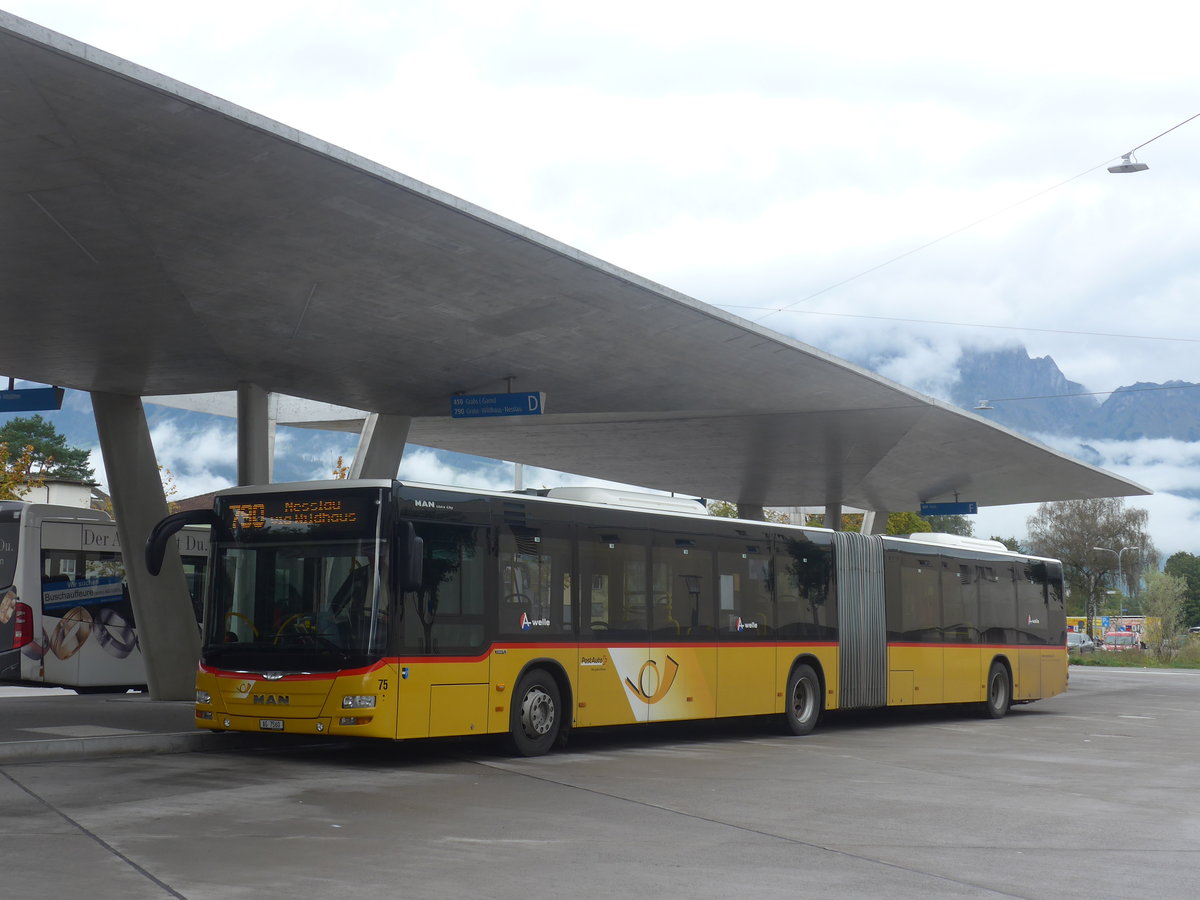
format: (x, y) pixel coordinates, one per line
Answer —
(657, 736)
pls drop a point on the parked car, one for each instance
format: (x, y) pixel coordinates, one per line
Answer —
(1078, 642)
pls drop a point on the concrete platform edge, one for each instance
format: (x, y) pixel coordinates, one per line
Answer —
(60, 749)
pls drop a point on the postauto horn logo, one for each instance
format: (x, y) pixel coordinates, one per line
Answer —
(653, 685)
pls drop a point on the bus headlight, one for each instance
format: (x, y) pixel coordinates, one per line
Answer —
(359, 701)
(203, 697)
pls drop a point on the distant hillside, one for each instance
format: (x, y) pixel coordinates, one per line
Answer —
(1146, 410)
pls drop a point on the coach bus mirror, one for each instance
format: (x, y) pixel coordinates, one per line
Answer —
(410, 559)
(161, 534)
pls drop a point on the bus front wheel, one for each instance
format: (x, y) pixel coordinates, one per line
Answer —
(803, 700)
(999, 692)
(536, 716)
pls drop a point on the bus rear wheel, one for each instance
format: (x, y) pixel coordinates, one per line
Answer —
(803, 700)
(536, 716)
(999, 692)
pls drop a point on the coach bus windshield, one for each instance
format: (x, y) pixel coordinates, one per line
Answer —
(302, 587)
(296, 607)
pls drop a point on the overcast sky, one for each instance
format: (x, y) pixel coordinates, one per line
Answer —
(767, 155)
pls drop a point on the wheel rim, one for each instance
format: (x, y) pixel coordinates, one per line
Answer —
(802, 701)
(537, 713)
(998, 690)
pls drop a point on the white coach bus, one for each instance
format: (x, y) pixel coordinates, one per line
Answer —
(65, 614)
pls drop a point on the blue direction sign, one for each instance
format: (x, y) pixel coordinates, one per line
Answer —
(949, 509)
(26, 399)
(478, 406)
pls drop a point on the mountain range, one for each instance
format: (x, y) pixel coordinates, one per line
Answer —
(1032, 396)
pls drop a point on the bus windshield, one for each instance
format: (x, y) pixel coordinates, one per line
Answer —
(298, 606)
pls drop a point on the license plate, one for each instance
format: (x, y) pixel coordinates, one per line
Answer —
(271, 724)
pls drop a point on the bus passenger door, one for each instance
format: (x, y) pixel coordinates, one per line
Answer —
(746, 628)
(614, 652)
(680, 678)
(960, 627)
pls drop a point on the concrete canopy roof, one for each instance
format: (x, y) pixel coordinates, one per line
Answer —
(158, 240)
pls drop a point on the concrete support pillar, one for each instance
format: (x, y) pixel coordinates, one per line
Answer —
(166, 624)
(874, 522)
(380, 446)
(755, 513)
(833, 516)
(253, 435)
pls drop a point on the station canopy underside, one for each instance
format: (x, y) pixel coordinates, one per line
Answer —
(157, 240)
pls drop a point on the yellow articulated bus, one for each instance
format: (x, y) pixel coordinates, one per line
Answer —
(390, 610)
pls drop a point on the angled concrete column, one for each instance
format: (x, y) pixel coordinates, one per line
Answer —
(166, 624)
(833, 516)
(746, 511)
(253, 435)
(874, 522)
(380, 446)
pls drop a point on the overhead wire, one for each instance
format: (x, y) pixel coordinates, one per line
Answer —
(1105, 334)
(1121, 390)
(969, 225)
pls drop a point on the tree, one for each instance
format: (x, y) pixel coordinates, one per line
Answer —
(1162, 602)
(1072, 530)
(1186, 566)
(50, 457)
(726, 510)
(908, 523)
(341, 469)
(897, 523)
(17, 477)
(960, 525)
(1010, 542)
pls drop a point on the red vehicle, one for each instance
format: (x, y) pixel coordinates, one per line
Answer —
(1121, 640)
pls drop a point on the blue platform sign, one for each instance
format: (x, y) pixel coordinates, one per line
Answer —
(27, 399)
(479, 406)
(949, 509)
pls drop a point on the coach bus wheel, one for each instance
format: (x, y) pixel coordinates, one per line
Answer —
(999, 692)
(536, 716)
(803, 700)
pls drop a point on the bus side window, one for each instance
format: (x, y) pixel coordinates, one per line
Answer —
(801, 571)
(743, 569)
(447, 612)
(613, 594)
(918, 615)
(535, 583)
(681, 589)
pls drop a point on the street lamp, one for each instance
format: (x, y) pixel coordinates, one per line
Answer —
(1128, 164)
(1118, 553)
(1120, 577)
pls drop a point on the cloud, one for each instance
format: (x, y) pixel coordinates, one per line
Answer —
(198, 460)
(1168, 467)
(913, 161)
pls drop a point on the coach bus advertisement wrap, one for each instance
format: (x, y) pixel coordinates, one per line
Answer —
(9, 532)
(66, 617)
(381, 609)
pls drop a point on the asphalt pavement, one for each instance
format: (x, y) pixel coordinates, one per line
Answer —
(1080, 797)
(55, 724)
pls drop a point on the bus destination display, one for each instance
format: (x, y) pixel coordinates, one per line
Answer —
(283, 515)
